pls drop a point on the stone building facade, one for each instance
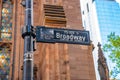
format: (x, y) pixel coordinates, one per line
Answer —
(51, 61)
(102, 65)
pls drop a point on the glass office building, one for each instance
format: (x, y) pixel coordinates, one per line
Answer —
(108, 16)
(100, 17)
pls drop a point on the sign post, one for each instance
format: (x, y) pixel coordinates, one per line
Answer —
(28, 36)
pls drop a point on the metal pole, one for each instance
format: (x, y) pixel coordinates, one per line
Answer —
(28, 36)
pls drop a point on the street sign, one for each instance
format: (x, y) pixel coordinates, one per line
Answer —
(59, 35)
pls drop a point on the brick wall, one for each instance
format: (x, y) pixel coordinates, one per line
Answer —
(54, 61)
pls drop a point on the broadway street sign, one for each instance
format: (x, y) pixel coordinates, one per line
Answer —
(58, 35)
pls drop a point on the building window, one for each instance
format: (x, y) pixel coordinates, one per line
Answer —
(4, 62)
(87, 7)
(83, 12)
(84, 24)
(6, 19)
(93, 0)
(5, 35)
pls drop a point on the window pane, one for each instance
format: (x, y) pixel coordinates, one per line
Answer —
(6, 28)
(5, 34)
(4, 62)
